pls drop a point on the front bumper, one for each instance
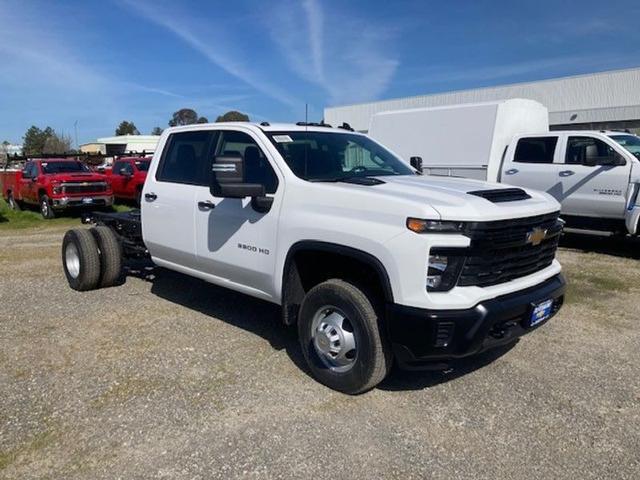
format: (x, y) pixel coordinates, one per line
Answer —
(423, 337)
(69, 202)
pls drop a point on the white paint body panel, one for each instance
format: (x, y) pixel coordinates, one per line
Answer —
(371, 219)
(460, 140)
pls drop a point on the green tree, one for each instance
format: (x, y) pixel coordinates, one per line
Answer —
(184, 116)
(34, 140)
(203, 120)
(57, 144)
(156, 131)
(233, 116)
(127, 128)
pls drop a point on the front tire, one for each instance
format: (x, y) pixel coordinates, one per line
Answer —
(13, 203)
(341, 338)
(80, 259)
(46, 210)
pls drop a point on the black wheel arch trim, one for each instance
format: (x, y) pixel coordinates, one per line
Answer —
(351, 252)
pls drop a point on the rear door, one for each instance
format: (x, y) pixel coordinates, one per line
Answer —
(169, 197)
(598, 190)
(530, 162)
(234, 242)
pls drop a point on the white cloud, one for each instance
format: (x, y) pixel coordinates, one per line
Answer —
(353, 64)
(215, 51)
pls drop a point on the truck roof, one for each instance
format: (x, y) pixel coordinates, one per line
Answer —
(268, 127)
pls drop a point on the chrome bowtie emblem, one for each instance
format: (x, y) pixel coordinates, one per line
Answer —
(536, 236)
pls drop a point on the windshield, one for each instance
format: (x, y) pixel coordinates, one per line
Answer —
(71, 166)
(630, 142)
(143, 165)
(331, 156)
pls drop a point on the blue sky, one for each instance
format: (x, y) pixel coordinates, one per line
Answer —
(101, 62)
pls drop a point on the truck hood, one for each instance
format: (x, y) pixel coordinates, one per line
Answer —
(450, 197)
(76, 177)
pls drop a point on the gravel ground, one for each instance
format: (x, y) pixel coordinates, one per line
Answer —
(168, 377)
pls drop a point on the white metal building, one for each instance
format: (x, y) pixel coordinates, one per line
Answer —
(122, 143)
(607, 100)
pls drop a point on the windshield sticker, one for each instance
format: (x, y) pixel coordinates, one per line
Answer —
(282, 138)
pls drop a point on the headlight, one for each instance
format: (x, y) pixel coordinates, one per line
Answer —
(419, 225)
(57, 189)
(443, 270)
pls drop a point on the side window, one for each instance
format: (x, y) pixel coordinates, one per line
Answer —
(588, 151)
(117, 168)
(535, 150)
(257, 167)
(186, 158)
(126, 169)
(30, 170)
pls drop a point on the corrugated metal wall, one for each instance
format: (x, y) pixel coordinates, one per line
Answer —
(601, 97)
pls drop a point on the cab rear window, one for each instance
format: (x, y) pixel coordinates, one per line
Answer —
(536, 150)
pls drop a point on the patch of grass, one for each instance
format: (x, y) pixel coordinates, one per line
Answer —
(35, 444)
(591, 287)
(31, 218)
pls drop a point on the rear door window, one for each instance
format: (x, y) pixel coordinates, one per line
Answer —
(535, 150)
(187, 158)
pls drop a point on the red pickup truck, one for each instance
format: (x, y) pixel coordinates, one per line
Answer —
(127, 177)
(55, 184)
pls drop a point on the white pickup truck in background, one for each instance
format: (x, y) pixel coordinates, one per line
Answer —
(371, 260)
(594, 175)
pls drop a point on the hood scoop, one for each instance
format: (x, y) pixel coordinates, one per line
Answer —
(501, 195)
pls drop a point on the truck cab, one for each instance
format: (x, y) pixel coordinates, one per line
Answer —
(127, 176)
(593, 174)
(372, 261)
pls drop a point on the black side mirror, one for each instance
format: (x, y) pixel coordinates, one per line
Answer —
(227, 179)
(416, 162)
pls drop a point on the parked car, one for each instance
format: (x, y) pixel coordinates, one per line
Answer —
(55, 184)
(595, 175)
(371, 260)
(127, 176)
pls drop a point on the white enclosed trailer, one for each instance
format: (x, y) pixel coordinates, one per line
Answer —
(459, 140)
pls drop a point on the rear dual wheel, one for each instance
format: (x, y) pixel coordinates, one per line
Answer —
(91, 258)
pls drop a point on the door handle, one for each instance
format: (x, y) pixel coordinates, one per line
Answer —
(511, 171)
(206, 205)
(566, 173)
(150, 197)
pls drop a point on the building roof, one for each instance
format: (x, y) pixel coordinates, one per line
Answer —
(597, 97)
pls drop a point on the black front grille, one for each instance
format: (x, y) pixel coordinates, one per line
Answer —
(85, 188)
(504, 250)
(502, 194)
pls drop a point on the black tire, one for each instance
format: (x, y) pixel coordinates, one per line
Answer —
(110, 253)
(46, 210)
(85, 274)
(13, 203)
(373, 359)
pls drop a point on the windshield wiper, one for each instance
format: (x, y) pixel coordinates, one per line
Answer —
(357, 179)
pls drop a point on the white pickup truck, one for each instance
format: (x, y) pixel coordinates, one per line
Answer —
(595, 175)
(371, 260)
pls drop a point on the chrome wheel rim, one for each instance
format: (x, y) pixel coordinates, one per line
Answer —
(72, 260)
(44, 207)
(334, 339)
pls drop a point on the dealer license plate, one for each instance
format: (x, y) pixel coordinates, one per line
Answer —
(541, 311)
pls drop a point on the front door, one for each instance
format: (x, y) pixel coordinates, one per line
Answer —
(234, 242)
(169, 198)
(593, 190)
(28, 191)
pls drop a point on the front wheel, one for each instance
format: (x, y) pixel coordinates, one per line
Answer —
(13, 203)
(341, 339)
(45, 208)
